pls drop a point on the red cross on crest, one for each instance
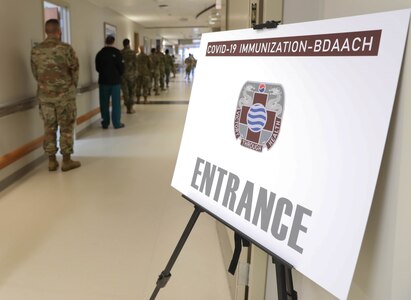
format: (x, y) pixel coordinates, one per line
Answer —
(258, 115)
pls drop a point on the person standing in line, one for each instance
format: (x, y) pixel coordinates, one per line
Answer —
(173, 70)
(169, 65)
(155, 70)
(128, 79)
(110, 66)
(143, 75)
(188, 62)
(162, 64)
(55, 67)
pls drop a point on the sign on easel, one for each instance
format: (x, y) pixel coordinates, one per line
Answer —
(285, 134)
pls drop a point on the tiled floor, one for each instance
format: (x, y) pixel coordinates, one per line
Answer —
(106, 231)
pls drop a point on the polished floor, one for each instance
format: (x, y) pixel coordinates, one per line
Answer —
(105, 231)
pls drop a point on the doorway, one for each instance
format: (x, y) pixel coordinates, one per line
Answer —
(61, 13)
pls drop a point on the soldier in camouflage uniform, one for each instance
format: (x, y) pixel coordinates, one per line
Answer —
(155, 70)
(189, 63)
(55, 67)
(143, 77)
(128, 79)
(162, 65)
(169, 65)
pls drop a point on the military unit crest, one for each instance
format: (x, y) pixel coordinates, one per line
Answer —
(258, 115)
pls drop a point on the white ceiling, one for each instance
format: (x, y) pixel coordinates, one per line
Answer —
(169, 19)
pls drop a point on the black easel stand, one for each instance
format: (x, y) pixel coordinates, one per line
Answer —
(285, 287)
(165, 275)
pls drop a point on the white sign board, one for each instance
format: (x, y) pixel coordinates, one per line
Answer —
(285, 134)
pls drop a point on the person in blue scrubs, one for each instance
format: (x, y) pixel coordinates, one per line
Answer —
(110, 66)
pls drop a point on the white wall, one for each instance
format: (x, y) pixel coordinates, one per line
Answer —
(384, 265)
(22, 23)
(238, 12)
(273, 10)
(301, 11)
(19, 26)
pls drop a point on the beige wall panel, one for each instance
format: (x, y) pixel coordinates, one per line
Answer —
(18, 28)
(296, 11)
(273, 10)
(238, 14)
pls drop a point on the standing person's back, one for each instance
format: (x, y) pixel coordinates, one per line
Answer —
(110, 66)
(169, 65)
(143, 75)
(155, 71)
(128, 80)
(54, 63)
(161, 65)
(188, 63)
(55, 67)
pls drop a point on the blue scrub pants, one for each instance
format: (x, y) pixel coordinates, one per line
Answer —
(107, 91)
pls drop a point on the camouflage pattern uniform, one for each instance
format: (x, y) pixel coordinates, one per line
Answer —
(155, 70)
(169, 65)
(55, 67)
(189, 63)
(128, 79)
(162, 66)
(144, 75)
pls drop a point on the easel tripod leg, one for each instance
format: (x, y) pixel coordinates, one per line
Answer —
(281, 283)
(165, 275)
(290, 286)
(285, 287)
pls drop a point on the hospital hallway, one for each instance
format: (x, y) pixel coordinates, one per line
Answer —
(105, 231)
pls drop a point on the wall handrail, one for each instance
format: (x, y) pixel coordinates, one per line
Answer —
(31, 102)
(16, 154)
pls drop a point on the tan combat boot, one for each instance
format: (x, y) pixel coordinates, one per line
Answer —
(69, 164)
(53, 163)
